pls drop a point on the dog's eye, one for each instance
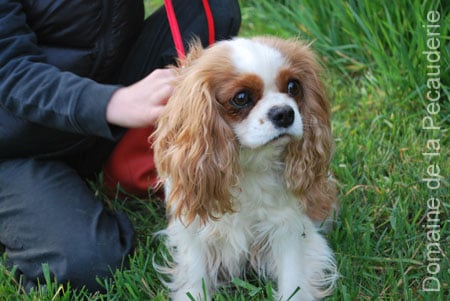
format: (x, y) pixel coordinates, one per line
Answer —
(242, 100)
(293, 87)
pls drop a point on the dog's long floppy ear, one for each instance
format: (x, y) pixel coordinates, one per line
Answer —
(308, 160)
(195, 149)
(307, 170)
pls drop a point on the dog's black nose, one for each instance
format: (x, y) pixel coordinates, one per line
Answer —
(282, 116)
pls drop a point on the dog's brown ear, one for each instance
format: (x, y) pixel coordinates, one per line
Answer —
(307, 173)
(195, 150)
(308, 160)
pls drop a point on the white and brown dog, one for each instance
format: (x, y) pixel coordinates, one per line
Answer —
(243, 149)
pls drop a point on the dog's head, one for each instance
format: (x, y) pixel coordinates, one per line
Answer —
(244, 93)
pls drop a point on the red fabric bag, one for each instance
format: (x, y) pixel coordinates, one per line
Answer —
(131, 165)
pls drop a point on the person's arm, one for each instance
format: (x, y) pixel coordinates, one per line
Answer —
(36, 91)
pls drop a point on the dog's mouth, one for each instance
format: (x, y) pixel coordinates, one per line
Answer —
(280, 139)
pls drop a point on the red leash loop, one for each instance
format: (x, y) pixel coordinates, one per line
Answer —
(175, 29)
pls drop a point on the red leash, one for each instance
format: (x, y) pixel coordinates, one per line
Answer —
(175, 29)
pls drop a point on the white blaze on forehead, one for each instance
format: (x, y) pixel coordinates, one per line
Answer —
(257, 58)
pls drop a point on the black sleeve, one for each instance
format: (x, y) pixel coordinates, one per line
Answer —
(36, 91)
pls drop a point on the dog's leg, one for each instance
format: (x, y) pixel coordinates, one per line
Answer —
(189, 259)
(290, 264)
(303, 262)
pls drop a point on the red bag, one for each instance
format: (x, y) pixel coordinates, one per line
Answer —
(131, 164)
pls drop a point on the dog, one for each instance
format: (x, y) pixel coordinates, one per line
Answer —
(243, 150)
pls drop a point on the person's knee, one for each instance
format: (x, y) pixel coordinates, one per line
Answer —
(93, 257)
(61, 224)
(81, 256)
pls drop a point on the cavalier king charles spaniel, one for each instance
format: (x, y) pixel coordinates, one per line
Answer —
(243, 149)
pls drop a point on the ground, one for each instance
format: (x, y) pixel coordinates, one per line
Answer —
(387, 74)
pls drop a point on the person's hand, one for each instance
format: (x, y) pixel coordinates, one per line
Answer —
(140, 104)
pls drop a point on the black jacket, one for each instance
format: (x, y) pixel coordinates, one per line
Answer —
(56, 60)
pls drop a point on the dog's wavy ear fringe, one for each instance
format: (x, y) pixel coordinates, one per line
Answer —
(307, 174)
(308, 160)
(195, 149)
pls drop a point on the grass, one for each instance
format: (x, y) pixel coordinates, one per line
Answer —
(376, 74)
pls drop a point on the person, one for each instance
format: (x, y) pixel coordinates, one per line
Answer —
(74, 75)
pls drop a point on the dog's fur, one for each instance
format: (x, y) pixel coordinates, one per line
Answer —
(243, 149)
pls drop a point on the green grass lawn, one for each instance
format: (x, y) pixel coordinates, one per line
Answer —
(382, 75)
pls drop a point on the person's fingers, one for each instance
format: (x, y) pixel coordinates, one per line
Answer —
(162, 94)
(140, 104)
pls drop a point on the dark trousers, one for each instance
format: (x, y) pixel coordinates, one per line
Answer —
(47, 212)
